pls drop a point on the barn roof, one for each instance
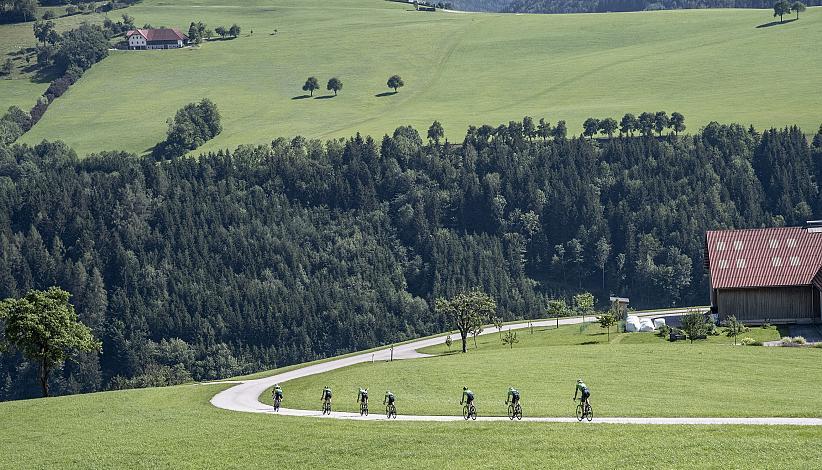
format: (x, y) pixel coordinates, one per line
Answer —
(770, 257)
(160, 34)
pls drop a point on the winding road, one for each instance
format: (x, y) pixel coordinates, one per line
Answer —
(244, 396)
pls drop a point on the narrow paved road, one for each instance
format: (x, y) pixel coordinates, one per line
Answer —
(245, 395)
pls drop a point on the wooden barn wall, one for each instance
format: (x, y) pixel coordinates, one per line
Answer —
(776, 304)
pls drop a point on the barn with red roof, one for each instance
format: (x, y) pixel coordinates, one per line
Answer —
(157, 38)
(767, 275)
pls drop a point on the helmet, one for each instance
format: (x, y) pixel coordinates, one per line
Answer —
(510, 389)
(579, 381)
(276, 385)
(465, 388)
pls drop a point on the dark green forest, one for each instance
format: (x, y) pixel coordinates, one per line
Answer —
(270, 255)
(602, 6)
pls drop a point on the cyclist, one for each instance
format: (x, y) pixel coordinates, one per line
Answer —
(585, 393)
(362, 396)
(277, 393)
(389, 398)
(467, 397)
(326, 395)
(513, 395)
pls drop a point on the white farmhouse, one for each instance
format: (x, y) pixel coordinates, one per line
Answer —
(162, 38)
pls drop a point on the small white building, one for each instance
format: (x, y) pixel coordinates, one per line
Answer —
(162, 38)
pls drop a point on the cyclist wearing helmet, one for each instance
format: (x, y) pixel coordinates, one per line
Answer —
(277, 393)
(467, 396)
(326, 394)
(389, 398)
(583, 389)
(362, 396)
(513, 395)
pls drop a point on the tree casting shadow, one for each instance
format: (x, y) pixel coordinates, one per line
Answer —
(301, 97)
(776, 23)
(324, 97)
(387, 93)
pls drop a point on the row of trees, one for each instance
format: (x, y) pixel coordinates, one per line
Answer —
(334, 84)
(292, 251)
(602, 6)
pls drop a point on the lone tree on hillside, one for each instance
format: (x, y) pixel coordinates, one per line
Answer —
(677, 122)
(510, 338)
(590, 127)
(781, 8)
(44, 327)
(335, 85)
(395, 82)
(311, 84)
(628, 124)
(466, 310)
(584, 303)
(607, 320)
(798, 7)
(436, 132)
(608, 126)
(557, 308)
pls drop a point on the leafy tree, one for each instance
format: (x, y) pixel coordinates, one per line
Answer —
(335, 85)
(395, 82)
(498, 325)
(41, 30)
(798, 7)
(8, 67)
(733, 327)
(781, 8)
(44, 327)
(466, 310)
(693, 324)
(560, 131)
(9, 131)
(584, 303)
(602, 251)
(544, 129)
(590, 127)
(192, 126)
(628, 124)
(557, 308)
(510, 338)
(311, 84)
(194, 34)
(436, 133)
(607, 320)
(82, 48)
(49, 15)
(234, 31)
(449, 342)
(661, 122)
(677, 122)
(529, 130)
(608, 126)
(646, 124)
(476, 329)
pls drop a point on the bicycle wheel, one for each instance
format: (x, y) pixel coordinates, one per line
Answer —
(512, 413)
(590, 413)
(393, 412)
(580, 413)
(465, 413)
(518, 412)
(276, 405)
(473, 412)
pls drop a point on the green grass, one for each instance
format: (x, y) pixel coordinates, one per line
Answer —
(651, 378)
(460, 69)
(176, 427)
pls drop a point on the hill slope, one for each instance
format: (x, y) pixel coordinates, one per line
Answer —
(459, 69)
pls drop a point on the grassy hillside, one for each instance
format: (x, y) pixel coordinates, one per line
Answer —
(634, 375)
(176, 427)
(460, 69)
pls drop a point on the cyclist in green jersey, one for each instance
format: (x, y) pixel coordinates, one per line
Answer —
(583, 389)
(326, 394)
(467, 396)
(277, 393)
(513, 395)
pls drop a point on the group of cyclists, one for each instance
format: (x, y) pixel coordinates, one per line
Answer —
(513, 398)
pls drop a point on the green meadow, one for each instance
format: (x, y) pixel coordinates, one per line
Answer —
(460, 69)
(635, 374)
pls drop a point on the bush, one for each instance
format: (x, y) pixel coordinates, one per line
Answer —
(192, 126)
(799, 340)
(795, 341)
(663, 331)
(818, 345)
(49, 15)
(750, 342)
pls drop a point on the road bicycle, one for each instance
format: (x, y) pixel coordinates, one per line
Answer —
(514, 411)
(327, 407)
(469, 411)
(364, 408)
(391, 411)
(277, 402)
(584, 411)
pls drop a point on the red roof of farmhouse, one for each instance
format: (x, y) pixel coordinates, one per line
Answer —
(161, 34)
(770, 257)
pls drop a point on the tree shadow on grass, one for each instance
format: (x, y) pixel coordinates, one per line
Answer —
(776, 23)
(589, 342)
(324, 97)
(387, 93)
(301, 97)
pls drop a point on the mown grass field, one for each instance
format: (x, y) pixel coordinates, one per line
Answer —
(176, 427)
(459, 68)
(634, 375)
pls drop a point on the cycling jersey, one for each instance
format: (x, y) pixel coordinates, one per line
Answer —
(389, 398)
(362, 395)
(278, 392)
(327, 394)
(467, 395)
(513, 395)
